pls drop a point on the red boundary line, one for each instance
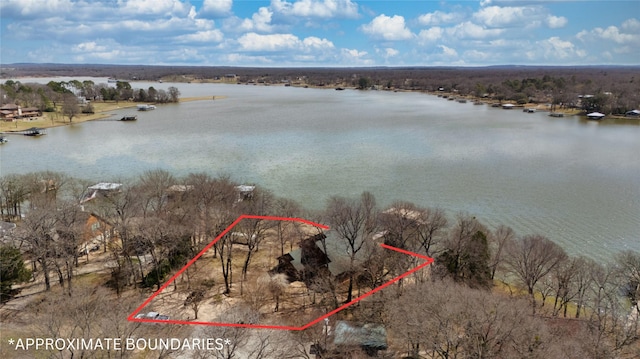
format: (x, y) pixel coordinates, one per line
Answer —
(131, 317)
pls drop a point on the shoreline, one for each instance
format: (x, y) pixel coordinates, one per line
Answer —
(102, 111)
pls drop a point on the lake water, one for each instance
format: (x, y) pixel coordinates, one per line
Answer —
(575, 181)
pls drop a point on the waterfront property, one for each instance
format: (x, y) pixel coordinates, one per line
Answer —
(101, 189)
(12, 112)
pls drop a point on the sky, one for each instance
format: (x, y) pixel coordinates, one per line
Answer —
(310, 33)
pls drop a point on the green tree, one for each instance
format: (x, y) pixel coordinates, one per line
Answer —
(12, 270)
(466, 254)
(364, 83)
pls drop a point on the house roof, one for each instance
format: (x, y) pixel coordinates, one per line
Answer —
(296, 259)
(105, 186)
(9, 106)
(244, 188)
(367, 335)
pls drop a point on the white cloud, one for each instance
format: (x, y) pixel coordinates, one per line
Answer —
(447, 51)
(631, 25)
(28, 8)
(390, 52)
(154, 7)
(475, 56)
(555, 48)
(260, 21)
(439, 18)
(430, 35)
(313, 42)
(272, 42)
(355, 57)
(202, 36)
(387, 28)
(216, 8)
(496, 16)
(282, 42)
(469, 30)
(555, 22)
(628, 35)
(90, 46)
(324, 9)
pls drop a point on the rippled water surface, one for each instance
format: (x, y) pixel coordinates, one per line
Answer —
(577, 182)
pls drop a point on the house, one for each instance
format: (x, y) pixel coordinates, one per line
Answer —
(632, 113)
(96, 232)
(369, 337)
(244, 192)
(10, 112)
(101, 189)
(316, 256)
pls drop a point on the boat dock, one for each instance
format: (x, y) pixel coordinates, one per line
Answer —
(33, 131)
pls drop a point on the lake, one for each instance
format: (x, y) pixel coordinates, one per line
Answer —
(575, 181)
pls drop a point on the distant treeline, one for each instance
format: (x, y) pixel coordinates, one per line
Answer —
(612, 90)
(46, 97)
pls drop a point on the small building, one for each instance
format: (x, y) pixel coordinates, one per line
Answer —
(369, 337)
(101, 189)
(244, 192)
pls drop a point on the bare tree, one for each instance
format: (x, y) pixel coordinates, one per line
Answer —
(355, 224)
(498, 239)
(70, 106)
(530, 258)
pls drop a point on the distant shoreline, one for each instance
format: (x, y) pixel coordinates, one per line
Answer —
(102, 111)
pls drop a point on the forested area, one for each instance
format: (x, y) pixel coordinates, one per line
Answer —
(75, 96)
(491, 293)
(611, 90)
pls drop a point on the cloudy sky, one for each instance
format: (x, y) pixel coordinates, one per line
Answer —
(321, 32)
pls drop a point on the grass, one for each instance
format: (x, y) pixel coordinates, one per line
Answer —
(101, 110)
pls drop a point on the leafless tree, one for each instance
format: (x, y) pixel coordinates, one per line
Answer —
(355, 223)
(70, 106)
(498, 239)
(530, 258)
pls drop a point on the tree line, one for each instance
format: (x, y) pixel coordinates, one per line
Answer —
(490, 293)
(611, 89)
(76, 96)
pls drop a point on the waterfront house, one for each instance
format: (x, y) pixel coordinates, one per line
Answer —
(96, 230)
(102, 189)
(10, 112)
(318, 255)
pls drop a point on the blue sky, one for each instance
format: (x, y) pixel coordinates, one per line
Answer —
(305, 33)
